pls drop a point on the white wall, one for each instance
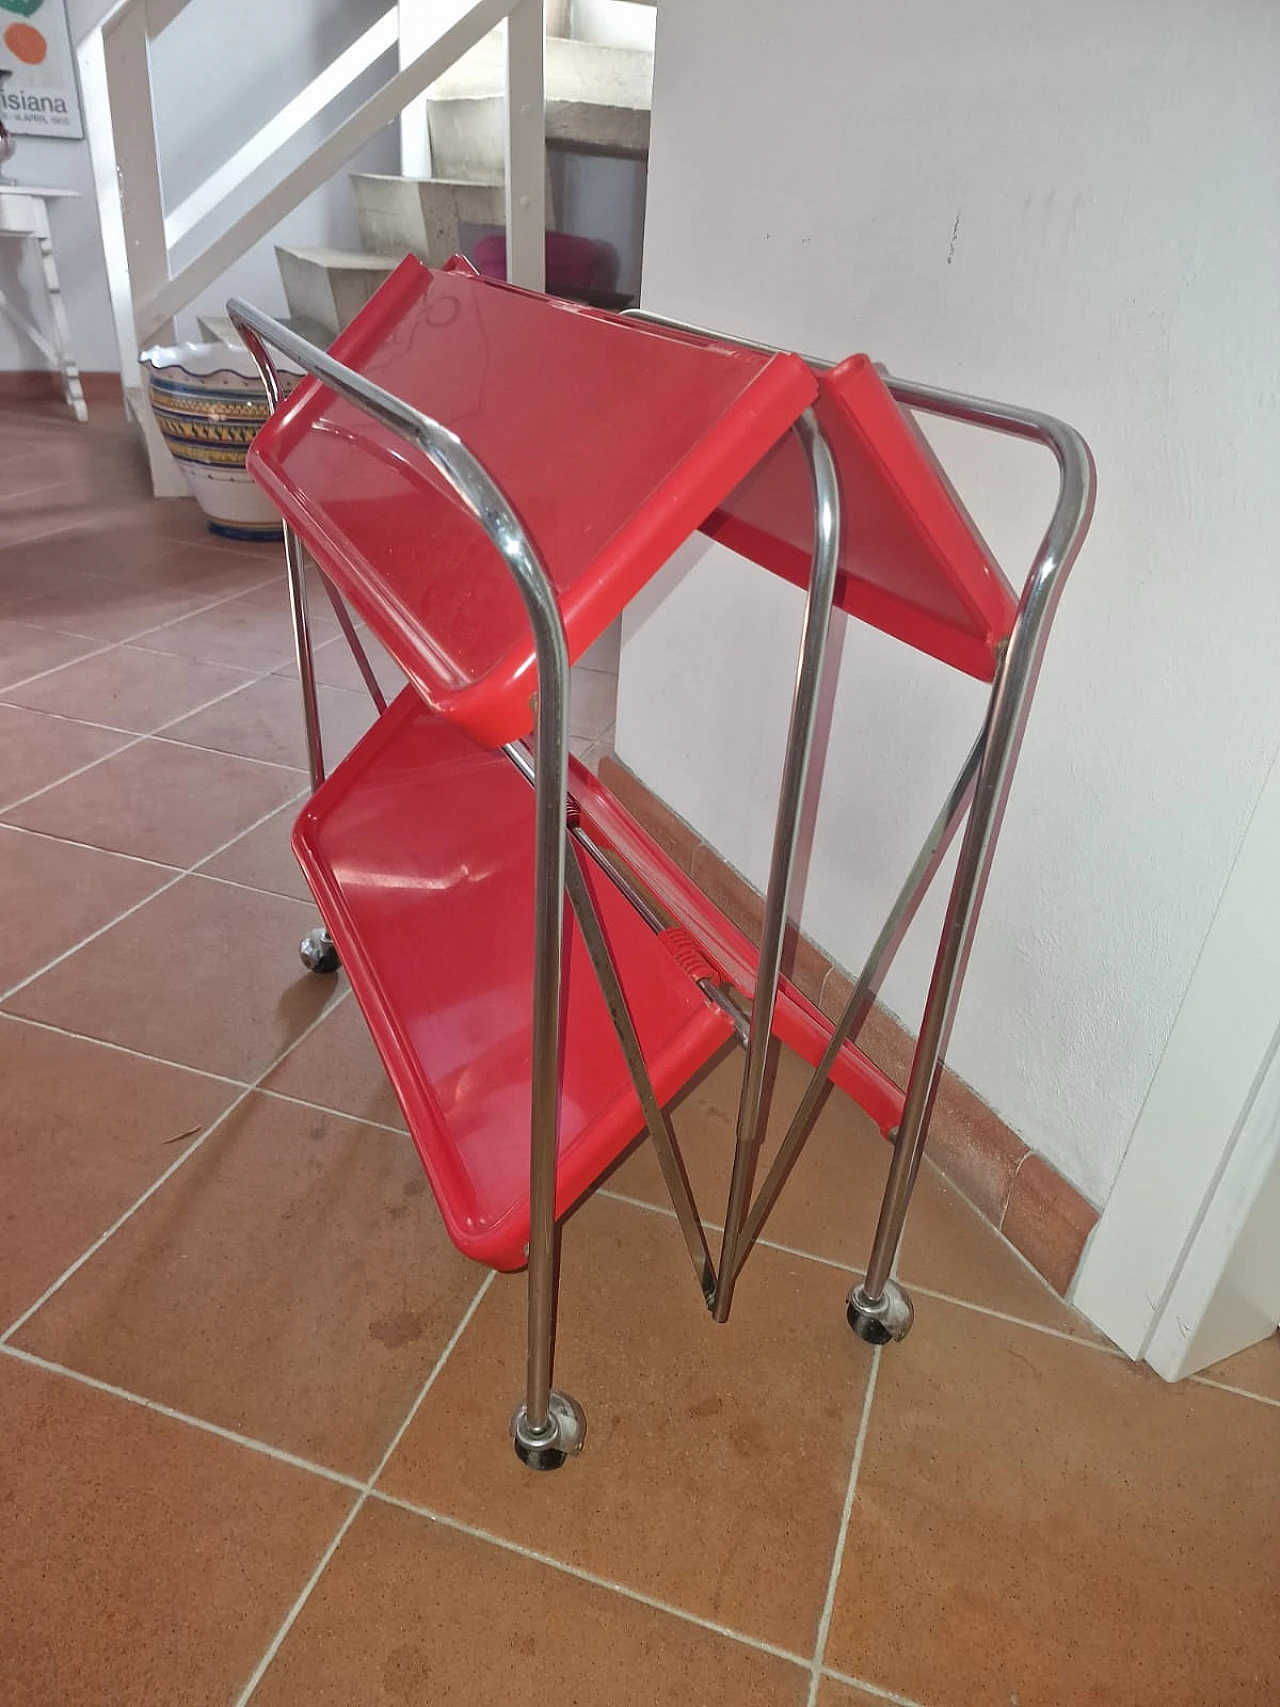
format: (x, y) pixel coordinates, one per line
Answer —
(614, 23)
(219, 71)
(1075, 208)
(76, 242)
(1184, 1265)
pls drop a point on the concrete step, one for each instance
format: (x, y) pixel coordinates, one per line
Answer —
(218, 329)
(423, 216)
(329, 287)
(613, 23)
(299, 269)
(598, 101)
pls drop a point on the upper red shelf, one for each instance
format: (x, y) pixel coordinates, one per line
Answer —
(912, 561)
(611, 441)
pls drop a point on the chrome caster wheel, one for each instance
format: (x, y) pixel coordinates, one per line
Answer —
(879, 1320)
(317, 952)
(548, 1448)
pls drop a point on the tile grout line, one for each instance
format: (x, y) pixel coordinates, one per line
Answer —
(337, 1113)
(179, 1161)
(1240, 1392)
(221, 752)
(30, 492)
(219, 1078)
(89, 722)
(235, 882)
(851, 1270)
(172, 548)
(89, 847)
(1081, 1340)
(145, 587)
(660, 1209)
(161, 864)
(281, 1456)
(178, 876)
(238, 549)
(95, 651)
(889, 1695)
(295, 1611)
(338, 1478)
(430, 1382)
(251, 678)
(842, 1535)
(183, 548)
(37, 539)
(127, 746)
(268, 673)
(129, 640)
(124, 1049)
(759, 1643)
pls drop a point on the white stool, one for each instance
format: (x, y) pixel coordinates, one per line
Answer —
(23, 213)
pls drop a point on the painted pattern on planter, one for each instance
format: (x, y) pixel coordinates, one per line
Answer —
(208, 402)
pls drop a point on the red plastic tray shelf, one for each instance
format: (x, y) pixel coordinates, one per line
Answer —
(799, 1024)
(419, 849)
(912, 561)
(612, 442)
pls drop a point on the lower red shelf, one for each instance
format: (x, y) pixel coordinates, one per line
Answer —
(419, 849)
(796, 1021)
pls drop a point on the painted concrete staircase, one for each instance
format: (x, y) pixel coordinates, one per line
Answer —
(597, 102)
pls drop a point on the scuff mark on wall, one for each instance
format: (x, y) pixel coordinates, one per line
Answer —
(955, 232)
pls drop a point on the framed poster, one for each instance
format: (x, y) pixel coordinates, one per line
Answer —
(38, 95)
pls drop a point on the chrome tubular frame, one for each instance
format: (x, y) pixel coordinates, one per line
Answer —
(1003, 730)
(548, 1425)
(657, 1121)
(753, 1109)
(354, 645)
(295, 566)
(863, 995)
(983, 788)
(752, 1105)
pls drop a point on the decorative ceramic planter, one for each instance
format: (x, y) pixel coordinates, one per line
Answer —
(208, 403)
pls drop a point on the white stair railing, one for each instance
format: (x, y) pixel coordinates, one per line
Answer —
(138, 235)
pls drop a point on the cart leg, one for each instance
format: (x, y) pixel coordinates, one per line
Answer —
(879, 1310)
(656, 1119)
(864, 993)
(752, 1111)
(316, 949)
(295, 565)
(548, 1427)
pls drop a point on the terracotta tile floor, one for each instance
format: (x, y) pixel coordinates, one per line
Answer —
(254, 1404)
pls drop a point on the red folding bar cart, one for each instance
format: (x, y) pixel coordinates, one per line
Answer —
(485, 477)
